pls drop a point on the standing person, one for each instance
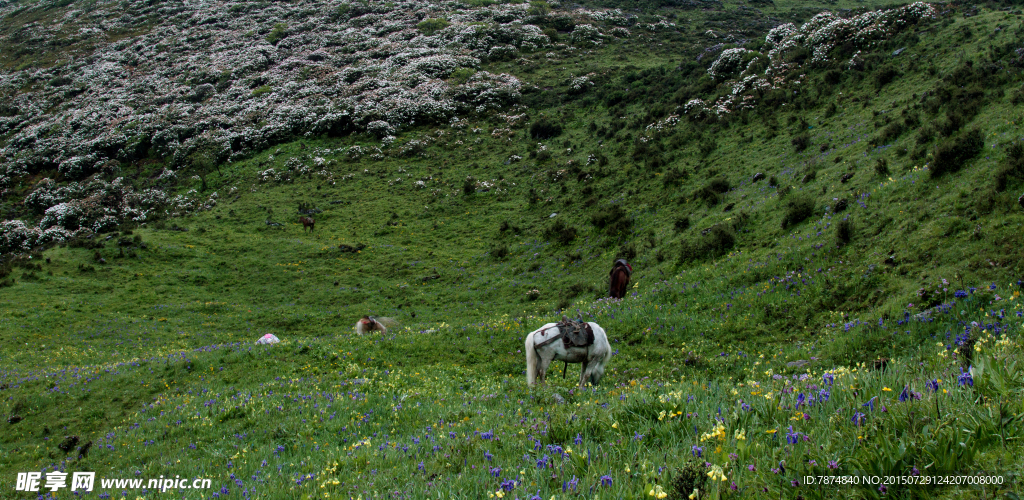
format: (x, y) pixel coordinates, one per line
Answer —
(621, 272)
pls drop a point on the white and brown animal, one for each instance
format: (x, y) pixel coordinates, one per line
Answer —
(369, 323)
(307, 222)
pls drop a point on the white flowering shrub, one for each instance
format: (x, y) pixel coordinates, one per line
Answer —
(579, 84)
(619, 32)
(325, 71)
(586, 35)
(729, 62)
(15, 236)
(380, 128)
(502, 52)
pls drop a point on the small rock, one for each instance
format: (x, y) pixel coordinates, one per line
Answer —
(798, 363)
(559, 399)
(68, 444)
(758, 176)
(553, 214)
(13, 419)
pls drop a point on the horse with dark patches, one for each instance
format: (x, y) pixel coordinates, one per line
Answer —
(621, 272)
(307, 222)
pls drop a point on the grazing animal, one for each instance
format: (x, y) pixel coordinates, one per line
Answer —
(621, 272)
(307, 222)
(370, 323)
(548, 344)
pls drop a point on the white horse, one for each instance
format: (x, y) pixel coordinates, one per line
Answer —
(540, 352)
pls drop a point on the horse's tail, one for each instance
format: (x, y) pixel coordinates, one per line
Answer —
(531, 360)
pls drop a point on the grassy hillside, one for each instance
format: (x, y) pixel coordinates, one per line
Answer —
(823, 245)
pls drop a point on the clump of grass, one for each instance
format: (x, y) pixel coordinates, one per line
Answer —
(797, 211)
(844, 232)
(613, 220)
(951, 155)
(801, 141)
(561, 233)
(881, 167)
(545, 129)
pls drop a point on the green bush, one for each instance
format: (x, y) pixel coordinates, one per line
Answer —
(797, 211)
(844, 232)
(277, 33)
(430, 26)
(545, 129)
(801, 141)
(461, 75)
(951, 155)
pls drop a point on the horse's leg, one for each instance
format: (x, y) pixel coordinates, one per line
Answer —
(542, 367)
(584, 372)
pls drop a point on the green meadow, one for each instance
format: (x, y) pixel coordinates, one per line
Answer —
(819, 292)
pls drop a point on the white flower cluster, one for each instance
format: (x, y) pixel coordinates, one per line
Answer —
(222, 74)
(820, 35)
(579, 84)
(826, 30)
(728, 62)
(586, 35)
(619, 32)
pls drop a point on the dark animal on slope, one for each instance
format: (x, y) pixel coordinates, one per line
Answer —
(307, 222)
(621, 272)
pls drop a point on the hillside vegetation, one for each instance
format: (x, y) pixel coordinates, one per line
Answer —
(821, 203)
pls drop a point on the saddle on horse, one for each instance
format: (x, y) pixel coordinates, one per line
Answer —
(573, 334)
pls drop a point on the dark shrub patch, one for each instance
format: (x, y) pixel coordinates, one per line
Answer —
(469, 186)
(545, 129)
(561, 233)
(884, 76)
(890, 133)
(801, 141)
(841, 205)
(627, 251)
(500, 252)
(719, 185)
(674, 176)
(797, 211)
(1012, 168)
(682, 224)
(844, 232)
(882, 167)
(715, 242)
(951, 155)
(707, 195)
(832, 76)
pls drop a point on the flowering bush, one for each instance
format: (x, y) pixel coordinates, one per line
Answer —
(729, 62)
(368, 68)
(586, 35)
